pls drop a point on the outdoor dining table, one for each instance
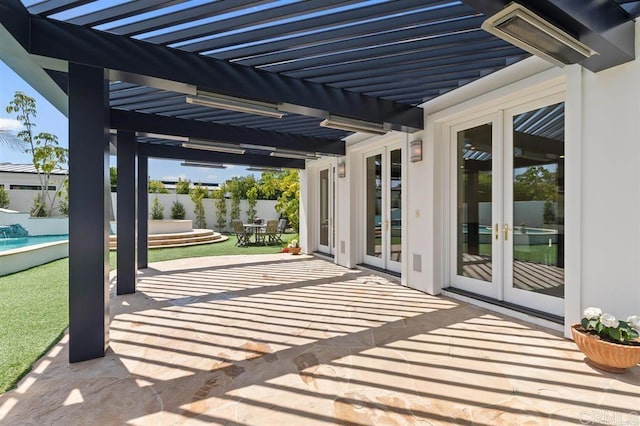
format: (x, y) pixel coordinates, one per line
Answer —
(256, 230)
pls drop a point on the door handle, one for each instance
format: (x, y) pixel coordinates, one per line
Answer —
(506, 231)
(496, 228)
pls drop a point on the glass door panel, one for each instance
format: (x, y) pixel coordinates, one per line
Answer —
(373, 232)
(474, 208)
(324, 207)
(395, 206)
(537, 194)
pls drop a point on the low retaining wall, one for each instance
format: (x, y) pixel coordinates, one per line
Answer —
(27, 257)
(35, 225)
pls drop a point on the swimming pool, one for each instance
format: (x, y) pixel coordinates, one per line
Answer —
(15, 243)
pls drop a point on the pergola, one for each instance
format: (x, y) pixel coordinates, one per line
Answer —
(261, 83)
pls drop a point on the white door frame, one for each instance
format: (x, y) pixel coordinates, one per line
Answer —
(383, 262)
(331, 182)
(501, 286)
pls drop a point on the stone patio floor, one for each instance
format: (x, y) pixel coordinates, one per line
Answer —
(296, 340)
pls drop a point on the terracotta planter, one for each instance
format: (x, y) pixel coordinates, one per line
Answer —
(294, 250)
(604, 355)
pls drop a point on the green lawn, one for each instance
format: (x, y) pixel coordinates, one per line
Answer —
(542, 254)
(33, 316)
(34, 304)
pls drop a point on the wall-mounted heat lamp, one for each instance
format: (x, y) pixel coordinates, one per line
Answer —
(529, 31)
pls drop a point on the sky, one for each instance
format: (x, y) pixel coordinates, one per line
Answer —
(50, 120)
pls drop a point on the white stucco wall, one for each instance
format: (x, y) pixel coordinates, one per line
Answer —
(611, 189)
(602, 261)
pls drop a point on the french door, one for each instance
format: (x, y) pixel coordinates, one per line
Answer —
(383, 208)
(326, 240)
(507, 226)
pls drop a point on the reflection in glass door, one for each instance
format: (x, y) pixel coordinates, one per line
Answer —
(535, 251)
(383, 209)
(474, 178)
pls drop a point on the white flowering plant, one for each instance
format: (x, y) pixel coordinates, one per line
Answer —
(293, 244)
(609, 328)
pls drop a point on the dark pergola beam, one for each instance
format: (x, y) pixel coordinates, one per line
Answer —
(90, 47)
(601, 25)
(127, 226)
(177, 152)
(143, 211)
(149, 123)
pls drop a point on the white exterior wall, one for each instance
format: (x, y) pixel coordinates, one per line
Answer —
(611, 188)
(22, 199)
(602, 260)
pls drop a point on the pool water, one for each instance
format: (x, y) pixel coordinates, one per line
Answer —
(14, 243)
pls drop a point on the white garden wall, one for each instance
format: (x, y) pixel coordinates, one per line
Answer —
(265, 208)
(35, 225)
(22, 199)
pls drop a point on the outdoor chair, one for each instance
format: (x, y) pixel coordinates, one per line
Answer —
(241, 233)
(282, 225)
(271, 232)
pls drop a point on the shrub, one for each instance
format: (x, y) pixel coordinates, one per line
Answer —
(39, 207)
(4, 198)
(252, 200)
(63, 205)
(157, 210)
(177, 210)
(221, 208)
(157, 187)
(548, 213)
(183, 186)
(198, 193)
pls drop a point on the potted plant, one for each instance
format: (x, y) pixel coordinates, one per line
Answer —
(294, 247)
(609, 344)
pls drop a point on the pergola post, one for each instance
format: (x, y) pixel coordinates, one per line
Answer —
(127, 217)
(88, 212)
(143, 210)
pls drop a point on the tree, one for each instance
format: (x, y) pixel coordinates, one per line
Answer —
(289, 201)
(234, 187)
(157, 210)
(283, 186)
(252, 200)
(221, 207)
(183, 186)
(4, 198)
(46, 154)
(157, 187)
(536, 183)
(198, 193)
(113, 178)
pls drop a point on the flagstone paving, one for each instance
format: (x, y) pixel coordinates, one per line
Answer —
(296, 340)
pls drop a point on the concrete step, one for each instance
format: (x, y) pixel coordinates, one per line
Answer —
(180, 239)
